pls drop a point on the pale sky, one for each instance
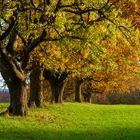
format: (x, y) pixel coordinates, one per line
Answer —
(1, 82)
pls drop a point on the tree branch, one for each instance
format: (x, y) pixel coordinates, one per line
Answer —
(103, 7)
(6, 33)
(12, 63)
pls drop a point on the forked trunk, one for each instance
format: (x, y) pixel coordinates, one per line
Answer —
(57, 91)
(58, 83)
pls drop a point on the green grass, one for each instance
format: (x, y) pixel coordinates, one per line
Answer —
(73, 121)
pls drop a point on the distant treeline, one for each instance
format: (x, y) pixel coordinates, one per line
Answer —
(4, 96)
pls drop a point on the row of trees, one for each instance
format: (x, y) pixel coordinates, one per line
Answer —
(96, 41)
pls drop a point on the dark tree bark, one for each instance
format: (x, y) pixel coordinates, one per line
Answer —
(18, 98)
(87, 97)
(88, 92)
(18, 93)
(36, 95)
(78, 96)
(58, 83)
(57, 91)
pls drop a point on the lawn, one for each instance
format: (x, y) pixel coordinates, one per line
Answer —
(73, 121)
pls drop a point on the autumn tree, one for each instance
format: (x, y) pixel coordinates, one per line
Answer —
(14, 63)
(54, 62)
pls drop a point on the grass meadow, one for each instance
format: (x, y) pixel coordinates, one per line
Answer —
(73, 121)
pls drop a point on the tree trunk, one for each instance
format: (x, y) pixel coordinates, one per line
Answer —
(89, 97)
(57, 91)
(36, 96)
(58, 83)
(18, 94)
(62, 90)
(78, 96)
(18, 98)
(85, 97)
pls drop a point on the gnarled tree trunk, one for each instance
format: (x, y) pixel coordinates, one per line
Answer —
(14, 77)
(18, 94)
(13, 68)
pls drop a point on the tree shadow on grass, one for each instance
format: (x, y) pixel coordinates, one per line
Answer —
(53, 134)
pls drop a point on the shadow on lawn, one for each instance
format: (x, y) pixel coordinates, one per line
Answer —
(52, 134)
